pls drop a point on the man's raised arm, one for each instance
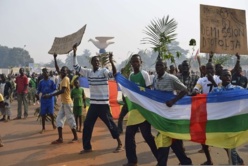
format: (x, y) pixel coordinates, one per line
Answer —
(76, 66)
(55, 63)
(237, 65)
(74, 55)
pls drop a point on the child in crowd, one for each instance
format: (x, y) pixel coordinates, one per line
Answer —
(79, 101)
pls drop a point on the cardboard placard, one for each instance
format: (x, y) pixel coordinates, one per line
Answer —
(63, 45)
(222, 30)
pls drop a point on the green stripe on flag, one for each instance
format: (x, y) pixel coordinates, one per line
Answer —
(159, 122)
(232, 124)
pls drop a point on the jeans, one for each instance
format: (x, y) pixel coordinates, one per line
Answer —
(103, 112)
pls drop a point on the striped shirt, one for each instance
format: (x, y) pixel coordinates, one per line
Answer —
(98, 83)
(168, 82)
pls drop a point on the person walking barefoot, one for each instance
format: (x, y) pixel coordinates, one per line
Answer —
(46, 86)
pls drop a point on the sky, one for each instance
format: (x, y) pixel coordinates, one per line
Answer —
(35, 23)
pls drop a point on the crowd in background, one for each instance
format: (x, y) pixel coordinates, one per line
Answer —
(23, 88)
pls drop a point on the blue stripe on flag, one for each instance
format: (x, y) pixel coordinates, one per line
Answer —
(162, 96)
(159, 96)
(83, 82)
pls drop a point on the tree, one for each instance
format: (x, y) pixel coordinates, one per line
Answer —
(221, 59)
(127, 68)
(104, 59)
(11, 57)
(161, 32)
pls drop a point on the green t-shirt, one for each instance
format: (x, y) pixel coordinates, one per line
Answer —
(77, 96)
(32, 83)
(138, 79)
(134, 116)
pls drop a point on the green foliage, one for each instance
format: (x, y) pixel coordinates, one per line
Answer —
(228, 61)
(161, 32)
(104, 59)
(149, 57)
(126, 70)
(221, 59)
(11, 57)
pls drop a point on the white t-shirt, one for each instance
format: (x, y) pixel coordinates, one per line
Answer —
(205, 86)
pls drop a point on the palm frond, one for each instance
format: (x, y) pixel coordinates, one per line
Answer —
(160, 33)
(157, 27)
(104, 59)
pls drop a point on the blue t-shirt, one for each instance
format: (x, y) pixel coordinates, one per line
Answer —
(227, 88)
(46, 87)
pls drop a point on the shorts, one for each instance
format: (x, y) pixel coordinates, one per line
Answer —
(46, 109)
(77, 110)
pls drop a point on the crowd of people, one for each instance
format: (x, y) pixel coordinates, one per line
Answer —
(42, 89)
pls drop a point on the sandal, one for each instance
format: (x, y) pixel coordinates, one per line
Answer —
(73, 140)
(118, 149)
(207, 163)
(85, 151)
(58, 141)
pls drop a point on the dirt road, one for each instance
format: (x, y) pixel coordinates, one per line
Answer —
(25, 146)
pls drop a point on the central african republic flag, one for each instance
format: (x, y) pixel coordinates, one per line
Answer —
(219, 119)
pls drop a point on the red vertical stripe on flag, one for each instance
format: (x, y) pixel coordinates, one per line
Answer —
(113, 94)
(198, 118)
